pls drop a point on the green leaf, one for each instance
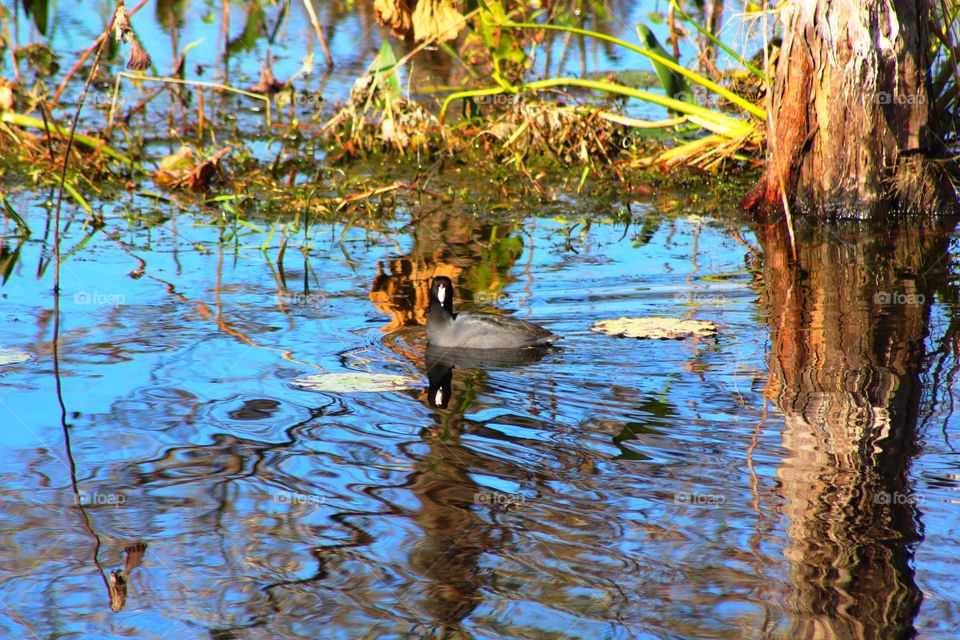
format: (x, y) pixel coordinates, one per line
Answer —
(9, 259)
(730, 52)
(190, 46)
(674, 85)
(505, 251)
(386, 62)
(17, 219)
(38, 10)
(252, 30)
(694, 110)
(77, 197)
(500, 42)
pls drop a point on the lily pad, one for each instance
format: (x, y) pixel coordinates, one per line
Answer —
(655, 328)
(356, 382)
(12, 356)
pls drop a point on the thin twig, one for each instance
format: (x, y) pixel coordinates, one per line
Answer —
(56, 281)
(196, 83)
(226, 41)
(523, 169)
(308, 5)
(947, 32)
(10, 46)
(46, 128)
(772, 138)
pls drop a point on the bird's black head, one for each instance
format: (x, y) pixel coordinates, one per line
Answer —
(441, 292)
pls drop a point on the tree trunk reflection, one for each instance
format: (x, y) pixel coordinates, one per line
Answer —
(848, 323)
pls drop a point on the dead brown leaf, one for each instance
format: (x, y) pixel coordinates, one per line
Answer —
(420, 19)
(182, 169)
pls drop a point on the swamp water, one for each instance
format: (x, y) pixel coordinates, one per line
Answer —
(793, 474)
(793, 477)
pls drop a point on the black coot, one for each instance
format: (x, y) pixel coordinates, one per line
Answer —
(476, 330)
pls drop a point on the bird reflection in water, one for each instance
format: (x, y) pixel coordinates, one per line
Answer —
(441, 362)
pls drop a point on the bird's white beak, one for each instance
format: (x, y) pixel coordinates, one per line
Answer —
(441, 293)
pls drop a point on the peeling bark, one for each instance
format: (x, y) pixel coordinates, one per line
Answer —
(850, 111)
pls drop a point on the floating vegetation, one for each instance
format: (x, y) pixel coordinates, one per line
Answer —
(655, 328)
(356, 382)
(378, 118)
(507, 115)
(569, 134)
(184, 169)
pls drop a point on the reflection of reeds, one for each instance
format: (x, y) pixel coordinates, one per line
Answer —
(475, 256)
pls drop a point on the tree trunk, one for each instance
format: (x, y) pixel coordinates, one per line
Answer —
(850, 111)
